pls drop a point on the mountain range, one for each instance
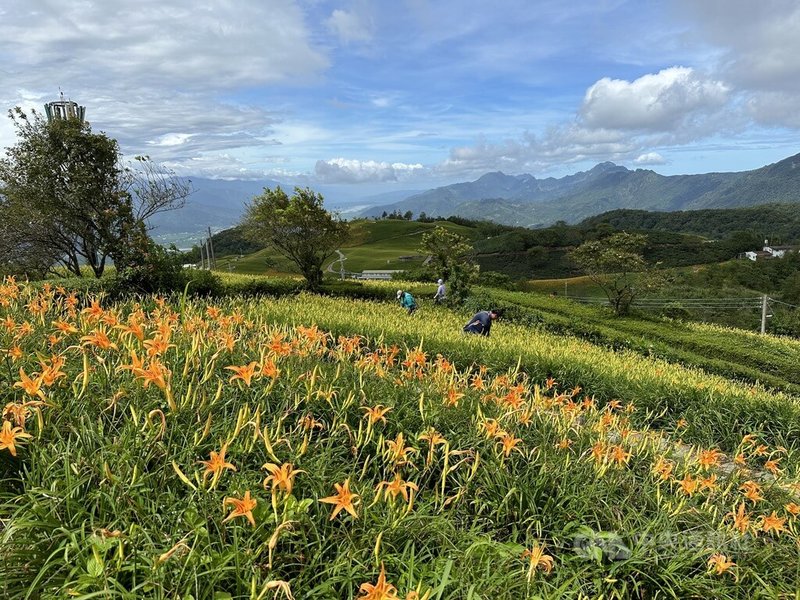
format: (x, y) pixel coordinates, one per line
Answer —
(530, 202)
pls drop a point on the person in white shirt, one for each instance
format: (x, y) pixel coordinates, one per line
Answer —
(441, 291)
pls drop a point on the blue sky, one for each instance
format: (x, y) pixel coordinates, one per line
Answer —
(410, 94)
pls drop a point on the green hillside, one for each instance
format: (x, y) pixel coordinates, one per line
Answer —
(514, 251)
(312, 446)
(379, 244)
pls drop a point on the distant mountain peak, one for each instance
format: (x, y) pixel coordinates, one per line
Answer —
(525, 200)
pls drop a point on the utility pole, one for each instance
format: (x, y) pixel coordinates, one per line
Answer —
(763, 314)
(202, 258)
(565, 289)
(213, 259)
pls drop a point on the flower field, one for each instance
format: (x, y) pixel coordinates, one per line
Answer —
(314, 447)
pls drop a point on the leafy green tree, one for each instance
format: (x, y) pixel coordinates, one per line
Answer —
(298, 227)
(65, 192)
(451, 258)
(616, 264)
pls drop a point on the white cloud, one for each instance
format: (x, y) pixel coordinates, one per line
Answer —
(662, 101)
(171, 139)
(342, 170)
(650, 158)
(156, 76)
(351, 26)
(759, 53)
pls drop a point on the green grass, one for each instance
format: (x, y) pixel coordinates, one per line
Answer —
(108, 498)
(377, 244)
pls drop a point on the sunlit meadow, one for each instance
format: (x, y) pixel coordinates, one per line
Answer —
(312, 447)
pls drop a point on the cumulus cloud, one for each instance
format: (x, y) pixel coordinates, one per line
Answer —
(759, 53)
(342, 170)
(761, 48)
(350, 26)
(155, 76)
(656, 102)
(650, 158)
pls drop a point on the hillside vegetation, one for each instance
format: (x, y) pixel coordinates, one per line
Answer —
(312, 447)
(527, 201)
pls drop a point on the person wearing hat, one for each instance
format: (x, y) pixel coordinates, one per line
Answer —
(441, 291)
(407, 301)
(481, 323)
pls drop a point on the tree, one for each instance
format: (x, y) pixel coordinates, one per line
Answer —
(616, 264)
(451, 258)
(298, 227)
(66, 192)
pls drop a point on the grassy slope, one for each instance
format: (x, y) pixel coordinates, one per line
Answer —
(734, 353)
(101, 482)
(373, 245)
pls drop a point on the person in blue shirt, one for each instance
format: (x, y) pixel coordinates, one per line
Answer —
(441, 291)
(407, 301)
(481, 323)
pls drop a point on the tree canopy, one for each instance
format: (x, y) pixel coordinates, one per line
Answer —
(69, 199)
(451, 258)
(298, 227)
(611, 262)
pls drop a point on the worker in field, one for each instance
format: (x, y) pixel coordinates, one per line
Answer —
(441, 292)
(481, 323)
(407, 301)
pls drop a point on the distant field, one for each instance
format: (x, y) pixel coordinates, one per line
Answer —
(570, 286)
(374, 245)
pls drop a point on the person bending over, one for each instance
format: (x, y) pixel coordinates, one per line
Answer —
(481, 323)
(407, 301)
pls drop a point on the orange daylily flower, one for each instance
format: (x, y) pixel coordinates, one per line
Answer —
(244, 372)
(752, 491)
(376, 413)
(396, 487)
(30, 386)
(132, 328)
(719, 564)
(537, 559)
(491, 427)
(689, 485)
(453, 397)
(509, 443)
(398, 451)
(741, 521)
(10, 436)
(242, 507)
(773, 523)
(154, 373)
(382, 590)
(709, 458)
(95, 311)
(282, 477)
(268, 369)
(157, 346)
(792, 508)
(663, 468)
(344, 499)
(215, 465)
(772, 466)
(618, 455)
(709, 483)
(65, 327)
(99, 339)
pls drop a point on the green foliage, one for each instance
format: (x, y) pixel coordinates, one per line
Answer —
(611, 263)
(65, 198)
(745, 227)
(61, 186)
(159, 270)
(298, 227)
(450, 259)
